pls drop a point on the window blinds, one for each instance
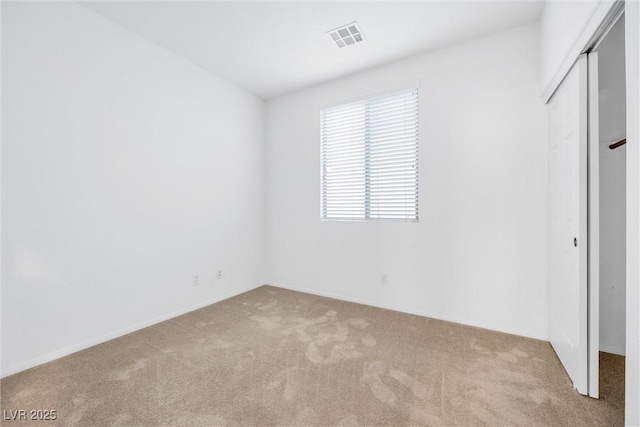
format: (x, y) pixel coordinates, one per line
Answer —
(369, 159)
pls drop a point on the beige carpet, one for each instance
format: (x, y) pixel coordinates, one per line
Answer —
(277, 357)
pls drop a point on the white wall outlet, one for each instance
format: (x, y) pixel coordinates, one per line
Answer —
(384, 279)
(195, 280)
(219, 275)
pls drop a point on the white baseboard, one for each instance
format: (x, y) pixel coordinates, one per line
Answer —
(612, 350)
(422, 313)
(124, 331)
(115, 334)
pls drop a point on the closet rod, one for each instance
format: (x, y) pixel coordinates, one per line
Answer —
(618, 144)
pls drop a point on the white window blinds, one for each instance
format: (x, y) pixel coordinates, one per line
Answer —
(369, 159)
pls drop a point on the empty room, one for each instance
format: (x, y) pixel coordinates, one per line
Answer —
(230, 213)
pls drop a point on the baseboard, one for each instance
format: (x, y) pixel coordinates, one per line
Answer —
(124, 331)
(422, 313)
(115, 334)
(612, 350)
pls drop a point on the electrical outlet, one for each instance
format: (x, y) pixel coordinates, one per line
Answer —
(219, 275)
(384, 279)
(195, 280)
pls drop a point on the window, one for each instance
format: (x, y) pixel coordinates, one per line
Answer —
(369, 159)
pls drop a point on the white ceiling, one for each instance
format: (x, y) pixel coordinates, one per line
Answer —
(271, 48)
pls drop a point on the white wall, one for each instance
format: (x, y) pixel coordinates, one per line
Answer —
(565, 30)
(478, 254)
(125, 170)
(612, 124)
(612, 249)
(632, 366)
(1, 189)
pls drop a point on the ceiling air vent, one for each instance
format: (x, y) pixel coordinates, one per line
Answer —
(347, 35)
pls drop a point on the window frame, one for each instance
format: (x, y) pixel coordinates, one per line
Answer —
(366, 103)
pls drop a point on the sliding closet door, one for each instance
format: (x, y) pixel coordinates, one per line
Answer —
(593, 188)
(567, 239)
